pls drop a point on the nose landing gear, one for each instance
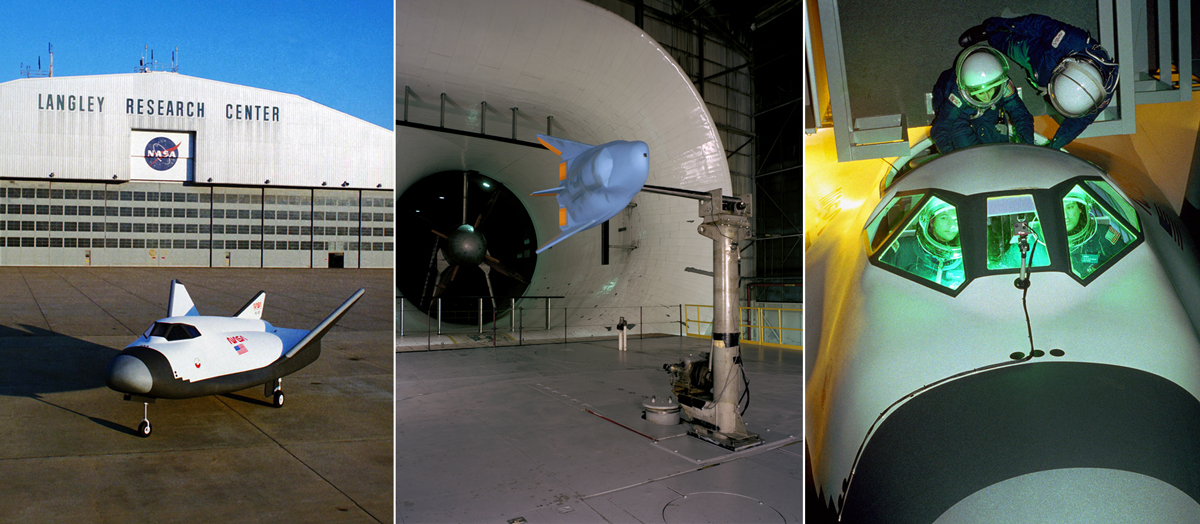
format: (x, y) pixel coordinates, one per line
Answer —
(275, 391)
(144, 428)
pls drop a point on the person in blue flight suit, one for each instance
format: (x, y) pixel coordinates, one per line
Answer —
(969, 98)
(933, 253)
(1062, 61)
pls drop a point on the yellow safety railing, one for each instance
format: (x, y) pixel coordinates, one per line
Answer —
(767, 326)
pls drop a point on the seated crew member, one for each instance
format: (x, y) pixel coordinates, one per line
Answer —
(933, 253)
(1063, 62)
(969, 98)
(1088, 249)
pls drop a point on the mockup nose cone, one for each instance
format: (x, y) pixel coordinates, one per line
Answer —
(128, 374)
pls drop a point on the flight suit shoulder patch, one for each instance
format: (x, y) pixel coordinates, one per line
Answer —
(955, 100)
(1009, 89)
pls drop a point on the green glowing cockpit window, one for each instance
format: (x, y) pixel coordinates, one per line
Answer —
(1093, 234)
(890, 218)
(1007, 218)
(1115, 201)
(928, 247)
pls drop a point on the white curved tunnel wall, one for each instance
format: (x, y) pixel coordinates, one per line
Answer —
(601, 79)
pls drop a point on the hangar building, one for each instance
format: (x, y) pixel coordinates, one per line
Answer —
(164, 169)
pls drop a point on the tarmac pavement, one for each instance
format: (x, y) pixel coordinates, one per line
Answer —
(68, 445)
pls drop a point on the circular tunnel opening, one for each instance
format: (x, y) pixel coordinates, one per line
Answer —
(471, 237)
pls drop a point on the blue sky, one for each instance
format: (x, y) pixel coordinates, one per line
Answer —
(338, 54)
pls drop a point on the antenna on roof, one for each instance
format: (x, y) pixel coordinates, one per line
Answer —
(149, 65)
(27, 71)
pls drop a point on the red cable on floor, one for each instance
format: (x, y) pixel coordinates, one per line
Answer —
(622, 425)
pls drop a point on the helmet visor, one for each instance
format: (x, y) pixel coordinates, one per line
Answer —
(986, 94)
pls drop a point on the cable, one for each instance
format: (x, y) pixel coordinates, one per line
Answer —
(1025, 305)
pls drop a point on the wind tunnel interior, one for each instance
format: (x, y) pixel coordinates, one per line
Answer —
(476, 81)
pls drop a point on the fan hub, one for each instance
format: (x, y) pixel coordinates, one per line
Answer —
(465, 246)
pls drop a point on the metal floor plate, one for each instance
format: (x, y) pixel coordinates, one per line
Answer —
(554, 433)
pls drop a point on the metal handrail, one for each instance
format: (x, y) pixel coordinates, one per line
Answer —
(757, 328)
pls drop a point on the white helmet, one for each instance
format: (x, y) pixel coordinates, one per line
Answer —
(1076, 87)
(982, 73)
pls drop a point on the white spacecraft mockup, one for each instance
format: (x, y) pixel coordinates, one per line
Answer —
(187, 355)
(1006, 333)
(595, 182)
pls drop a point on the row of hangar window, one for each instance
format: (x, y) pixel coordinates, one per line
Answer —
(217, 198)
(150, 243)
(154, 212)
(202, 229)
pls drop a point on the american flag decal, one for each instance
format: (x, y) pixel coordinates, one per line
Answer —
(241, 349)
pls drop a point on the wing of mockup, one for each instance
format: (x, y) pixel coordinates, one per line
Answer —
(325, 325)
(567, 233)
(254, 308)
(180, 304)
(564, 148)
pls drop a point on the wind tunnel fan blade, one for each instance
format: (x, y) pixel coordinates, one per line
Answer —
(431, 274)
(446, 279)
(487, 208)
(426, 224)
(495, 264)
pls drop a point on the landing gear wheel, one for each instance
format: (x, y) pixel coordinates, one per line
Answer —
(277, 400)
(144, 429)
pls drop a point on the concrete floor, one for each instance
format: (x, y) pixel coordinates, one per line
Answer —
(504, 435)
(68, 449)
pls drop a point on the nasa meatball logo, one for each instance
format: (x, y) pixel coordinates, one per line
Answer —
(161, 153)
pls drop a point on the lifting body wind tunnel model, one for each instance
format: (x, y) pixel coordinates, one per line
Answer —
(595, 182)
(1006, 333)
(186, 355)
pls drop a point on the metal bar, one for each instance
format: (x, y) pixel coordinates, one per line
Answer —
(548, 315)
(785, 104)
(681, 322)
(604, 243)
(564, 325)
(483, 118)
(687, 193)
(700, 60)
(744, 144)
(443, 110)
(725, 72)
(641, 324)
(439, 315)
(514, 130)
(406, 92)
(1184, 22)
(512, 316)
(814, 98)
(481, 316)
(549, 121)
(1164, 43)
(401, 316)
(521, 331)
(471, 134)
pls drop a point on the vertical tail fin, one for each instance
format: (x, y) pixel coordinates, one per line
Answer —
(180, 304)
(254, 308)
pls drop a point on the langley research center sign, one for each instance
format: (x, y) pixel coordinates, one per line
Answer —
(76, 103)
